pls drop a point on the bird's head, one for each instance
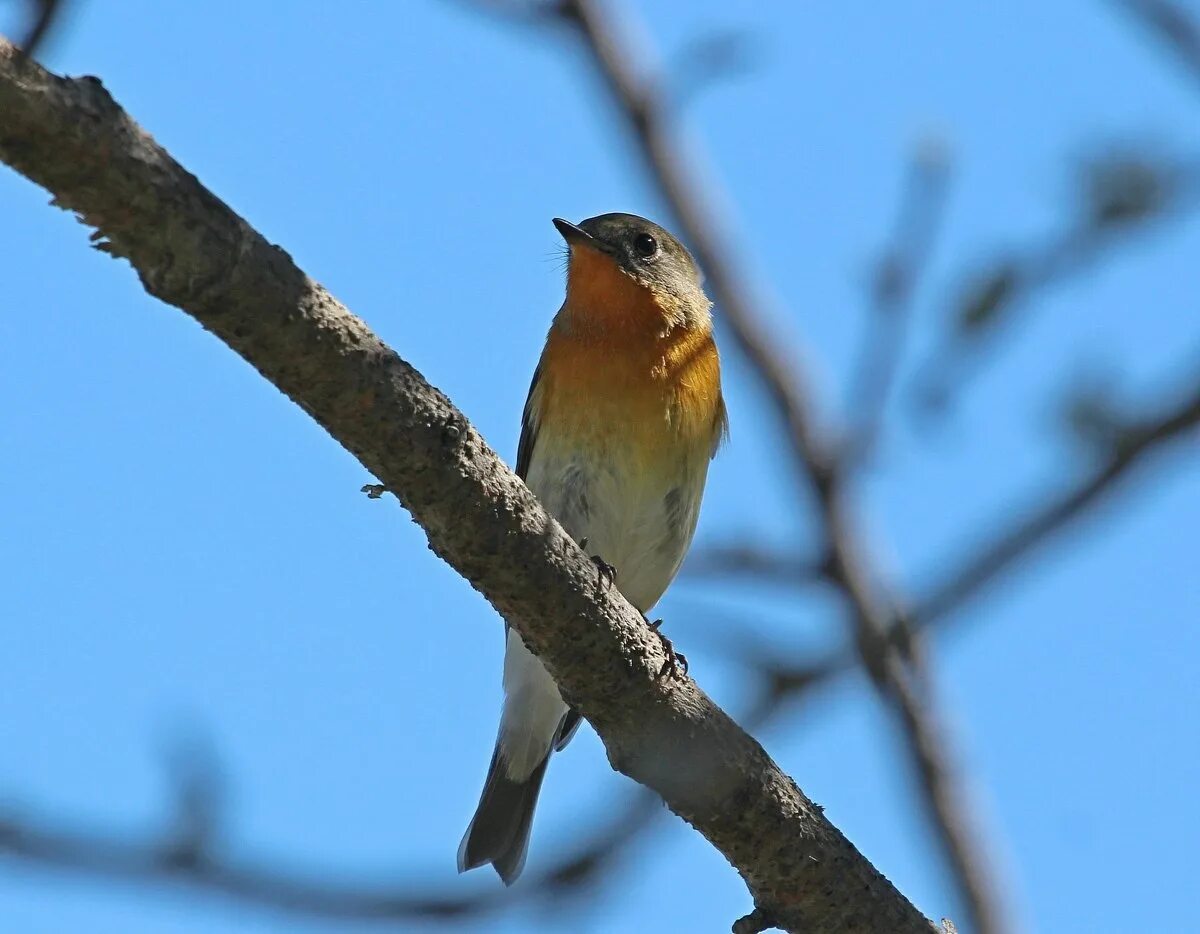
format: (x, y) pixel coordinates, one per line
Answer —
(625, 265)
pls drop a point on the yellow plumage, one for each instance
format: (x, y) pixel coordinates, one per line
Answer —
(624, 413)
(616, 372)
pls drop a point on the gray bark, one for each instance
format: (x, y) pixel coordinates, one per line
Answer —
(191, 251)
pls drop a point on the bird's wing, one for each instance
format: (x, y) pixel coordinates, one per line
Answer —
(720, 425)
(529, 428)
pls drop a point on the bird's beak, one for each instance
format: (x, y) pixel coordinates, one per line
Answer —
(576, 236)
(581, 244)
(596, 276)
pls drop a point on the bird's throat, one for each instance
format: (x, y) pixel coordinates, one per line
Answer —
(607, 305)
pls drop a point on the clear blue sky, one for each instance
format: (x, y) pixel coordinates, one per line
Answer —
(182, 548)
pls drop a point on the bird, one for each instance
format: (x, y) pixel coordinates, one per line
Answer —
(623, 415)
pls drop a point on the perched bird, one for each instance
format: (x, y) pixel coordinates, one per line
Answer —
(623, 415)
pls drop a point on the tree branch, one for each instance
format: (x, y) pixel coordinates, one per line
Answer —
(190, 250)
(1134, 450)
(1034, 527)
(750, 560)
(1138, 445)
(1122, 193)
(43, 15)
(122, 857)
(1172, 24)
(149, 859)
(637, 94)
(895, 282)
(185, 852)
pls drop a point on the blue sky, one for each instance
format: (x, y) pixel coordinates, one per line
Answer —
(184, 551)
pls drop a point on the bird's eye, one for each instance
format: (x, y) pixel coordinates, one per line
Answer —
(645, 245)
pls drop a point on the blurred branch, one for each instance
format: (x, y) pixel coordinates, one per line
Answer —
(921, 208)
(123, 856)
(1135, 444)
(779, 676)
(185, 853)
(1134, 447)
(751, 560)
(45, 14)
(701, 63)
(158, 860)
(190, 250)
(1121, 193)
(638, 97)
(1173, 25)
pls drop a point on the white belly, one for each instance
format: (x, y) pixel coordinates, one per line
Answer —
(640, 522)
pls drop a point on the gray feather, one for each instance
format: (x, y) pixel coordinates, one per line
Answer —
(499, 831)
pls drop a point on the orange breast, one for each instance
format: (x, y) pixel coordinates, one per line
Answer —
(624, 379)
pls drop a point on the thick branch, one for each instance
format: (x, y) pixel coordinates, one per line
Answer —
(817, 466)
(192, 251)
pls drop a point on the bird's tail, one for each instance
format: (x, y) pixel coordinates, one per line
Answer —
(499, 831)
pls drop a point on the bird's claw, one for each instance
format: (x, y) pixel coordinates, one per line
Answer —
(607, 573)
(676, 664)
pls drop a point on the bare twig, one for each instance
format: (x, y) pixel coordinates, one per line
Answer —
(1137, 445)
(637, 95)
(156, 860)
(46, 13)
(130, 859)
(895, 281)
(1136, 449)
(1138, 442)
(751, 560)
(699, 64)
(1122, 193)
(1169, 22)
(190, 250)
(184, 854)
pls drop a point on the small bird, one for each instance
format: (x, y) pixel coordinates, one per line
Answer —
(623, 415)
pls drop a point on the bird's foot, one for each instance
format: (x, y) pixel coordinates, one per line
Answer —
(607, 573)
(676, 665)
